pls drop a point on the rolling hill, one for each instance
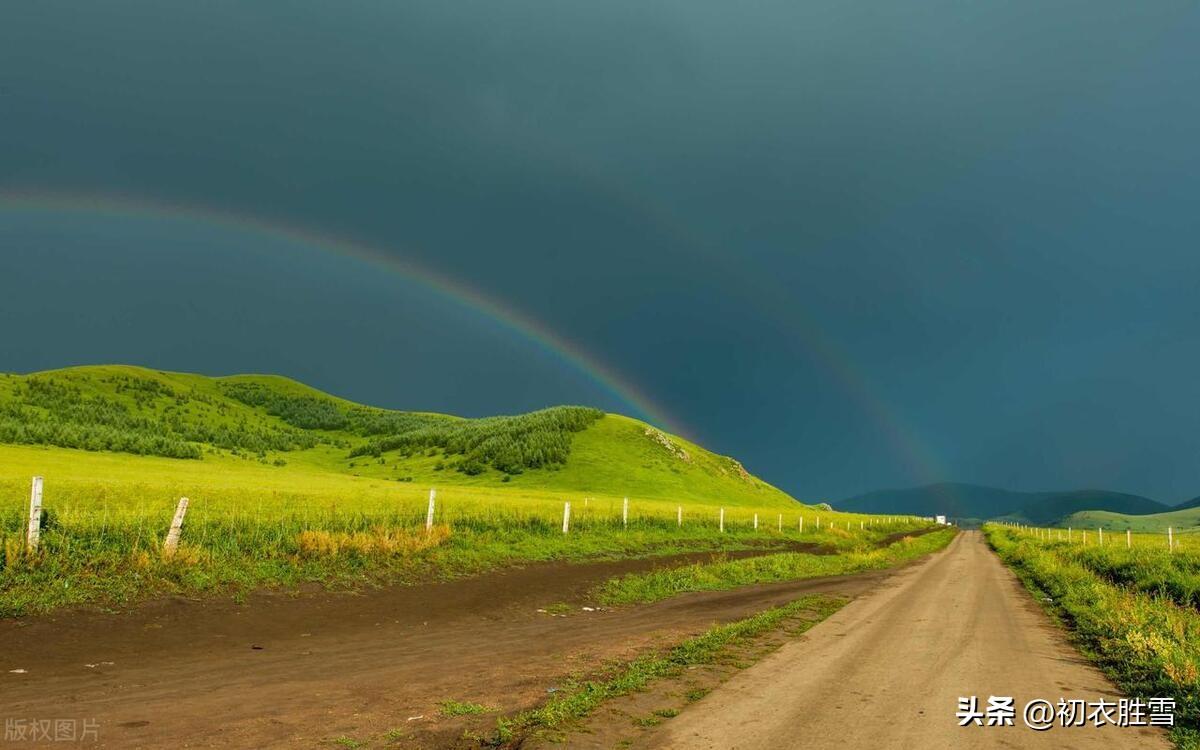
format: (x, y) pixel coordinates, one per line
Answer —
(1186, 504)
(975, 502)
(1050, 507)
(1181, 521)
(280, 423)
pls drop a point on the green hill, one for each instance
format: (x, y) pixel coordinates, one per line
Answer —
(281, 423)
(1051, 507)
(1187, 520)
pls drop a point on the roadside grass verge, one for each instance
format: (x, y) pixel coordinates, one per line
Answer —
(1148, 644)
(1155, 571)
(656, 585)
(579, 700)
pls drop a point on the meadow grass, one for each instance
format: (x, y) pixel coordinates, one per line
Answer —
(251, 525)
(1145, 641)
(657, 585)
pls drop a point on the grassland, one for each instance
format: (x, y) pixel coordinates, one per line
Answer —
(1185, 521)
(1133, 610)
(787, 566)
(284, 494)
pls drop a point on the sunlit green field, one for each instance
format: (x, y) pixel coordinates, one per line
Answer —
(250, 525)
(1185, 521)
(1134, 608)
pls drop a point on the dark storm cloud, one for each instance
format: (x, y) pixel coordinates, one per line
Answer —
(833, 237)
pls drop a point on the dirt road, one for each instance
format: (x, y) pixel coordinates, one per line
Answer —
(888, 669)
(281, 671)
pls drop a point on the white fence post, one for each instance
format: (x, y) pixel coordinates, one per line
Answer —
(625, 513)
(1068, 534)
(781, 522)
(566, 516)
(679, 516)
(429, 513)
(1101, 536)
(34, 531)
(756, 522)
(172, 542)
(1128, 539)
(1170, 539)
(801, 524)
(722, 520)
(818, 523)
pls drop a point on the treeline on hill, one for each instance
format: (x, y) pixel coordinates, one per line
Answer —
(509, 444)
(314, 413)
(152, 420)
(536, 440)
(147, 417)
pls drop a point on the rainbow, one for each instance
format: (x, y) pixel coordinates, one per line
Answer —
(455, 290)
(776, 303)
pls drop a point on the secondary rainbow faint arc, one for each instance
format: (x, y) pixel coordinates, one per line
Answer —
(109, 205)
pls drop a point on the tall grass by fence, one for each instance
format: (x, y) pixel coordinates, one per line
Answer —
(104, 543)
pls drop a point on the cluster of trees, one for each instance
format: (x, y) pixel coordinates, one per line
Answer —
(239, 435)
(43, 411)
(26, 426)
(147, 417)
(143, 391)
(510, 444)
(314, 413)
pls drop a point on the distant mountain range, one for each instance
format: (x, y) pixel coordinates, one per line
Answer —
(975, 502)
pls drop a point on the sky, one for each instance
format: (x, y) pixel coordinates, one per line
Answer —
(856, 244)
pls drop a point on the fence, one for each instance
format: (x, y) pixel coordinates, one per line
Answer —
(586, 517)
(1169, 540)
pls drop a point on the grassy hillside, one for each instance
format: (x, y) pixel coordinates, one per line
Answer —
(1181, 521)
(1049, 507)
(278, 422)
